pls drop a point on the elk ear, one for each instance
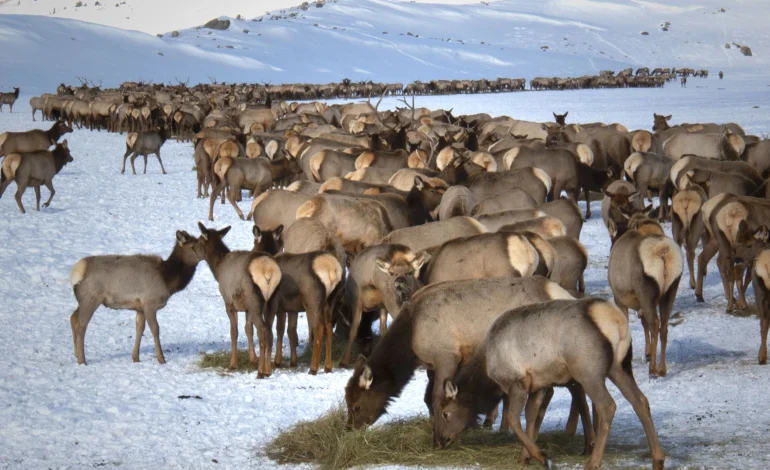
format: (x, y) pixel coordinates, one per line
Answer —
(64, 143)
(544, 127)
(366, 379)
(383, 264)
(277, 232)
(633, 196)
(204, 231)
(419, 183)
(612, 228)
(224, 231)
(556, 116)
(257, 233)
(565, 114)
(668, 117)
(420, 260)
(607, 193)
(450, 390)
(360, 363)
(762, 233)
(182, 237)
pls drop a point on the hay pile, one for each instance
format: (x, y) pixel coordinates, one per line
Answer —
(326, 443)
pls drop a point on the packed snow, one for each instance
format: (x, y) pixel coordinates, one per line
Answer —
(710, 411)
(384, 41)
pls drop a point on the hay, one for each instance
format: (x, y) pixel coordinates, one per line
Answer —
(326, 443)
(221, 360)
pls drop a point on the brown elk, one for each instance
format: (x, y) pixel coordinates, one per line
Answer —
(687, 223)
(586, 341)
(247, 281)
(752, 247)
(254, 174)
(513, 199)
(651, 171)
(440, 327)
(434, 233)
(644, 273)
(276, 207)
(142, 283)
(31, 141)
(145, 143)
(34, 169)
(9, 99)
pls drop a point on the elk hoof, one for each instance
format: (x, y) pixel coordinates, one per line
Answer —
(135, 358)
(277, 365)
(293, 364)
(232, 367)
(523, 460)
(164, 172)
(327, 370)
(313, 371)
(253, 365)
(344, 365)
(160, 360)
(261, 375)
(699, 297)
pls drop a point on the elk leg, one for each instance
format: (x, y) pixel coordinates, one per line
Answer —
(19, 191)
(727, 274)
(517, 394)
(605, 411)
(690, 250)
(357, 313)
(231, 197)
(125, 157)
(623, 378)
(37, 198)
(293, 338)
(429, 392)
(49, 185)
(318, 334)
(152, 321)
(79, 322)
(232, 315)
(764, 325)
(329, 333)
(710, 248)
(214, 194)
(145, 164)
(264, 334)
(491, 417)
(268, 317)
(504, 421)
(742, 277)
(248, 328)
(588, 202)
(133, 158)
(383, 322)
(572, 420)
(650, 317)
(140, 321)
(280, 329)
(580, 403)
(4, 185)
(162, 170)
(535, 402)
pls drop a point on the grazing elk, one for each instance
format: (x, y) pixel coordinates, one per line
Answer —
(9, 99)
(31, 141)
(145, 143)
(644, 273)
(440, 327)
(34, 169)
(142, 283)
(583, 341)
(247, 281)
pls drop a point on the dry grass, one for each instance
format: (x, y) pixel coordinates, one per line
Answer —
(326, 443)
(221, 360)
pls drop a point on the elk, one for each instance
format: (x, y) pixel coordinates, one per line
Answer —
(145, 143)
(546, 227)
(494, 221)
(142, 283)
(247, 281)
(651, 171)
(432, 234)
(369, 285)
(687, 223)
(621, 201)
(644, 273)
(760, 279)
(570, 263)
(722, 146)
(254, 174)
(34, 169)
(513, 199)
(440, 327)
(9, 99)
(584, 341)
(276, 207)
(31, 141)
(534, 181)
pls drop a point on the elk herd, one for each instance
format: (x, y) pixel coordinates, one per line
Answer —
(457, 227)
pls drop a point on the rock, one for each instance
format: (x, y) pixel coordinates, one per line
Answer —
(645, 33)
(746, 50)
(217, 24)
(174, 34)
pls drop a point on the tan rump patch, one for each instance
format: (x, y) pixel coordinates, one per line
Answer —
(445, 157)
(476, 224)
(556, 292)
(210, 147)
(78, 272)
(253, 149)
(131, 139)
(762, 267)
(229, 149)
(543, 176)
(293, 146)
(585, 154)
(729, 217)
(510, 156)
(417, 159)
(546, 251)
(364, 160)
(266, 274)
(308, 208)
(357, 175)
(522, 256)
(661, 260)
(708, 207)
(633, 162)
(554, 227)
(485, 160)
(11, 164)
(695, 128)
(677, 167)
(271, 148)
(146, 112)
(3, 138)
(332, 184)
(221, 167)
(737, 143)
(617, 127)
(315, 165)
(328, 270)
(613, 325)
(686, 205)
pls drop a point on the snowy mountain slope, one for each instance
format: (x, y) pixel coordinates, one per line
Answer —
(347, 39)
(154, 16)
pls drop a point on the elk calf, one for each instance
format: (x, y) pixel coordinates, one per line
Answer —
(137, 282)
(34, 169)
(145, 143)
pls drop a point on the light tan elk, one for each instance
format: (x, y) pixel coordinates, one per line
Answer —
(31, 141)
(570, 263)
(583, 341)
(9, 99)
(143, 144)
(513, 199)
(142, 283)
(687, 223)
(651, 171)
(34, 169)
(276, 207)
(644, 273)
(247, 281)
(432, 234)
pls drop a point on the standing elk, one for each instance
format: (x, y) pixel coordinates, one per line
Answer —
(9, 99)
(31, 141)
(145, 143)
(34, 169)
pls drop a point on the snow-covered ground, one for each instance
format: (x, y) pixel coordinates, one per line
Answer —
(711, 410)
(387, 41)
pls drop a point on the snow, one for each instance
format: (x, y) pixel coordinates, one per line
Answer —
(348, 38)
(710, 411)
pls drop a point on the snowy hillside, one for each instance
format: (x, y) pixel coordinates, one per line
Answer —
(393, 41)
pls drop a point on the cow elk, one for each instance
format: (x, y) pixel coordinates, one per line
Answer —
(34, 169)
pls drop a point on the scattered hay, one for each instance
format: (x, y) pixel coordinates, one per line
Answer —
(221, 360)
(326, 443)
